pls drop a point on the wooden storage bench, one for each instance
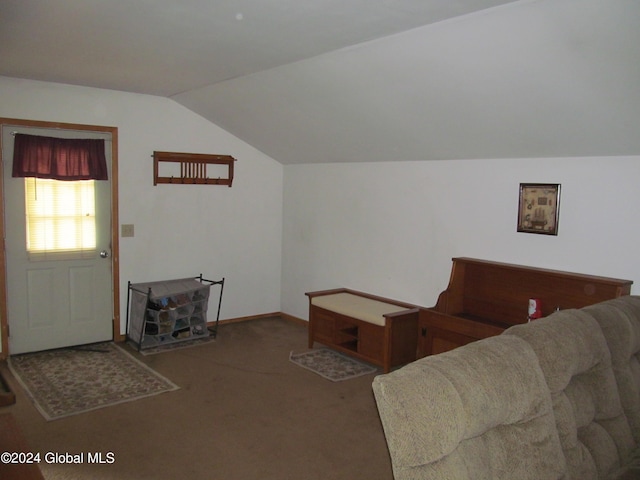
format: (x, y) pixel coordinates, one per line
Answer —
(484, 298)
(375, 329)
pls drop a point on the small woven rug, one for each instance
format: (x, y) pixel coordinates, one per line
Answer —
(331, 365)
(70, 381)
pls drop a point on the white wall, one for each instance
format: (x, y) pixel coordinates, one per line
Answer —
(392, 228)
(387, 228)
(180, 231)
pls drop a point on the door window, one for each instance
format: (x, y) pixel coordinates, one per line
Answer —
(61, 219)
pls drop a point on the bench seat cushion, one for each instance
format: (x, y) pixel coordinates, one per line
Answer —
(355, 306)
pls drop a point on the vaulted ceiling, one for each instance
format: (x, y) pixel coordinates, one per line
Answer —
(357, 80)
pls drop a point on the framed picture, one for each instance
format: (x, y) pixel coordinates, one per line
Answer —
(539, 208)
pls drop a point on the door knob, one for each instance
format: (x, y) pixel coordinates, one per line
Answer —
(104, 254)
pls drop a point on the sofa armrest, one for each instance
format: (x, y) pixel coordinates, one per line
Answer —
(472, 412)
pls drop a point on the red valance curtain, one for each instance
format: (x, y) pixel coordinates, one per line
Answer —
(59, 158)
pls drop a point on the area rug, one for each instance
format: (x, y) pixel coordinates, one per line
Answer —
(70, 381)
(331, 365)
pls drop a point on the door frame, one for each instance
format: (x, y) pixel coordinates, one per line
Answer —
(115, 252)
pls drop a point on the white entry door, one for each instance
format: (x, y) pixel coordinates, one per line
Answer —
(62, 302)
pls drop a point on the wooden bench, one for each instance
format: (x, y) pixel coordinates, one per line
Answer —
(374, 329)
(484, 298)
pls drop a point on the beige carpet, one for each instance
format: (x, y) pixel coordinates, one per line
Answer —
(243, 412)
(70, 381)
(196, 342)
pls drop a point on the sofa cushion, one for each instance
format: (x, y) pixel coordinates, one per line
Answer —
(619, 320)
(473, 412)
(574, 356)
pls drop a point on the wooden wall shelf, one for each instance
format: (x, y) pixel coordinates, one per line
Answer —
(193, 168)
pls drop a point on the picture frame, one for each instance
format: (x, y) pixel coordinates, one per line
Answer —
(539, 208)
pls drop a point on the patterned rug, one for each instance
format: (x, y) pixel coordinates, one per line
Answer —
(331, 365)
(69, 381)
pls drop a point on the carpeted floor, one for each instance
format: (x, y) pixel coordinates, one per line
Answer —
(243, 412)
(174, 346)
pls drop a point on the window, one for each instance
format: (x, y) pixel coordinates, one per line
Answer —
(60, 219)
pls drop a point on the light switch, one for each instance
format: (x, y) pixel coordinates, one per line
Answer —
(127, 230)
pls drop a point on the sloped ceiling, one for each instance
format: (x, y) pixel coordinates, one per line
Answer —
(309, 81)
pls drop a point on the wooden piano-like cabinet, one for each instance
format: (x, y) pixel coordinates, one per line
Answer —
(484, 298)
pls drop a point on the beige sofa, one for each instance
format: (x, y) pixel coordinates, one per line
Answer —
(558, 398)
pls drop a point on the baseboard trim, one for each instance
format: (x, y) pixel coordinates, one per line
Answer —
(290, 318)
(285, 316)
